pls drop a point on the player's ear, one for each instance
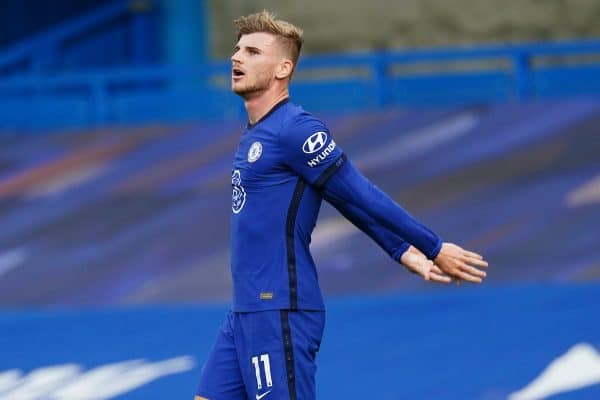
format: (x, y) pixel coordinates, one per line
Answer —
(284, 69)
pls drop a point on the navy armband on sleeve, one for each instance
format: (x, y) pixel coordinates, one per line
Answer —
(328, 173)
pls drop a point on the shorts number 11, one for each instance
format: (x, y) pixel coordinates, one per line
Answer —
(267, 365)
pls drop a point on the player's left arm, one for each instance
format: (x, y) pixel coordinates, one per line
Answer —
(309, 150)
(397, 248)
(351, 186)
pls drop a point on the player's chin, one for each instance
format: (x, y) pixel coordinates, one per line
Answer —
(240, 89)
(235, 88)
(246, 91)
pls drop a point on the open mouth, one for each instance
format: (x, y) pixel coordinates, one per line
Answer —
(237, 73)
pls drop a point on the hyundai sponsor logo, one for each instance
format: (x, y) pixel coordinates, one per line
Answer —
(315, 142)
(322, 155)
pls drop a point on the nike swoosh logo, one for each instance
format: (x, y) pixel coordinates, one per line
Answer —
(262, 395)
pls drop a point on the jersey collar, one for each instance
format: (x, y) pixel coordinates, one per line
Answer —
(271, 111)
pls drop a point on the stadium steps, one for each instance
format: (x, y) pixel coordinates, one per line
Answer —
(140, 215)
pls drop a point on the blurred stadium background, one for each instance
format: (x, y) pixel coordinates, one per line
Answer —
(117, 130)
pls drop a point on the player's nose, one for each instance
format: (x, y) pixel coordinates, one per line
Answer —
(235, 58)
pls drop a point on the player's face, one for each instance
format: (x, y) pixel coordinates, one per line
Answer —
(254, 62)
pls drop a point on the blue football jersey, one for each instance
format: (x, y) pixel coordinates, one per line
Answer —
(279, 165)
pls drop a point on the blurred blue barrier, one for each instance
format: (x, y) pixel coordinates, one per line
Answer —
(337, 82)
(481, 342)
(118, 32)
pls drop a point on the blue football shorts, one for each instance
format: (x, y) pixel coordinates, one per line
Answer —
(264, 355)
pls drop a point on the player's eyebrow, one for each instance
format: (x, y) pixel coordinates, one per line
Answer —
(237, 48)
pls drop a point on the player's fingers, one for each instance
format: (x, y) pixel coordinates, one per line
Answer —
(453, 272)
(462, 272)
(463, 267)
(426, 270)
(477, 262)
(437, 270)
(439, 273)
(472, 254)
(468, 277)
(455, 268)
(440, 278)
(417, 270)
(474, 271)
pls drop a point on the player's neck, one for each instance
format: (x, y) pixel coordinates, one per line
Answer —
(258, 106)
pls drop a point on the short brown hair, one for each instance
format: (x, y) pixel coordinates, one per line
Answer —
(289, 35)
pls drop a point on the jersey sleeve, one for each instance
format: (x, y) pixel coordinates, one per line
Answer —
(350, 186)
(309, 149)
(391, 243)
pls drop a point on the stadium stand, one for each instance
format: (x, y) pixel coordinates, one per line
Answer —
(83, 205)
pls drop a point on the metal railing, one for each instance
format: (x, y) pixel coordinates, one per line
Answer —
(37, 52)
(334, 82)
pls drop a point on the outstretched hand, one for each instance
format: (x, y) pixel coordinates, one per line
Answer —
(418, 263)
(461, 264)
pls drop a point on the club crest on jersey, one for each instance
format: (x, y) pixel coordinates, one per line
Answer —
(238, 195)
(315, 142)
(254, 152)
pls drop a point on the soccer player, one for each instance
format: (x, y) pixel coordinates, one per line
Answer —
(286, 163)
